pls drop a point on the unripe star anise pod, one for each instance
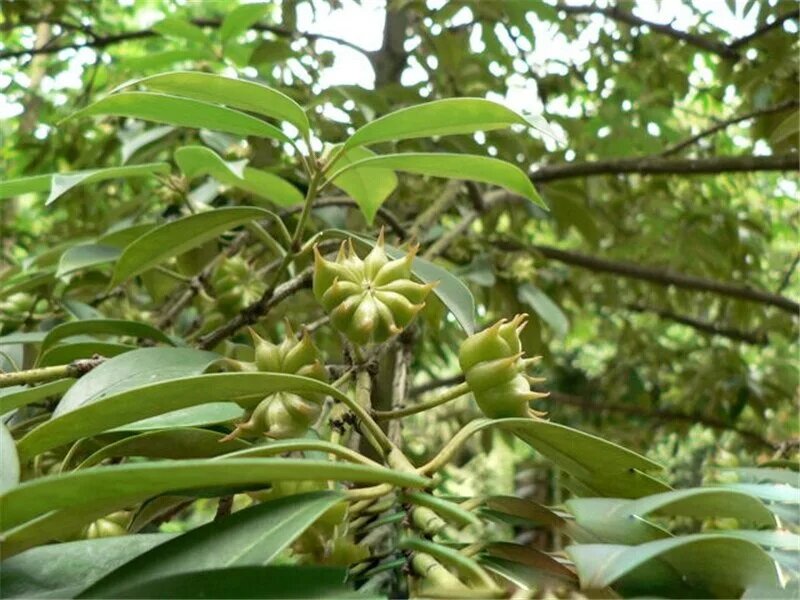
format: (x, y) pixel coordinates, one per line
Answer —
(494, 367)
(285, 414)
(235, 286)
(368, 300)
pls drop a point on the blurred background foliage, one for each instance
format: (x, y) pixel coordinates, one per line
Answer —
(661, 282)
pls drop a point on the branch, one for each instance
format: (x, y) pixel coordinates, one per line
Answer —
(730, 51)
(666, 166)
(617, 14)
(763, 30)
(100, 41)
(758, 339)
(661, 276)
(252, 313)
(661, 415)
(732, 121)
(75, 369)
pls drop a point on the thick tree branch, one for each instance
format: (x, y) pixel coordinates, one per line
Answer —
(744, 41)
(758, 339)
(661, 415)
(666, 166)
(661, 276)
(674, 149)
(75, 369)
(585, 403)
(252, 313)
(99, 42)
(617, 14)
(729, 51)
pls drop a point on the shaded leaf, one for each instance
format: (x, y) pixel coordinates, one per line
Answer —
(249, 537)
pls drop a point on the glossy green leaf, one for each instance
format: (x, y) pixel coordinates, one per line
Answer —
(709, 565)
(768, 475)
(133, 369)
(65, 353)
(250, 537)
(238, 20)
(778, 539)
(59, 184)
(202, 415)
(84, 256)
(605, 520)
(440, 117)
(131, 405)
(608, 469)
(118, 327)
(63, 182)
(134, 482)
(181, 112)
(454, 166)
(25, 185)
(63, 570)
(9, 461)
(236, 93)
(11, 398)
(167, 443)
(523, 511)
(539, 567)
(134, 141)
(368, 187)
(199, 160)
(176, 237)
(285, 582)
(544, 306)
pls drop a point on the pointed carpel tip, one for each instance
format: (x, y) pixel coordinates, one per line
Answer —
(381, 237)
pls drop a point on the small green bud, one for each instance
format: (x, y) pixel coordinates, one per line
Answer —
(368, 300)
(494, 367)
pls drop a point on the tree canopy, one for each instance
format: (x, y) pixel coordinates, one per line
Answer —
(624, 173)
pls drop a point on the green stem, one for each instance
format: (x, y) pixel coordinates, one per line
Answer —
(360, 408)
(451, 394)
(74, 370)
(449, 450)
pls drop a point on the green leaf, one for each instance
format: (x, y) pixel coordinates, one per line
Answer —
(767, 475)
(25, 185)
(132, 483)
(539, 566)
(283, 582)
(63, 182)
(70, 422)
(240, 19)
(199, 160)
(65, 353)
(175, 27)
(781, 540)
(11, 398)
(59, 184)
(606, 520)
(368, 187)
(250, 537)
(548, 310)
(84, 256)
(119, 327)
(134, 369)
(707, 566)
(167, 443)
(176, 237)
(444, 508)
(236, 93)
(606, 468)
(454, 166)
(9, 461)
(212, 413)
(523, 511)
(450, 289)
(63, 570)
(181, 112)
(440, 117)
(132, 142)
